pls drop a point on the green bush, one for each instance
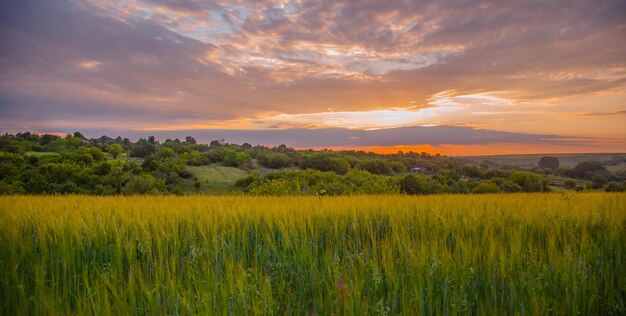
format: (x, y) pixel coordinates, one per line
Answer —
(486, 187)
(274, 160)
(143, 184)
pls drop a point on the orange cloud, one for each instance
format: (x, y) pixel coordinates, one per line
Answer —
(153, 65)
(489, 149)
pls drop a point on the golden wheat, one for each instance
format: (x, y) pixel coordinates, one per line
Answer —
(448, 254)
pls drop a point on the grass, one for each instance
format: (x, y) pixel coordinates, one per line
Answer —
(474, 254)
(40, 153)
(213, 178)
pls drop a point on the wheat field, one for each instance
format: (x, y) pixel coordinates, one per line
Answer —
(232, 255)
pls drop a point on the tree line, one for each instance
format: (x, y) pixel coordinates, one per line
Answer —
(73, 164)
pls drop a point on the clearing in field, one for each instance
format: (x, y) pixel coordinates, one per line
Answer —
(213, 178)
(447, 254)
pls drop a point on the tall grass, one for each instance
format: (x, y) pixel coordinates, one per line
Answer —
(488, 254)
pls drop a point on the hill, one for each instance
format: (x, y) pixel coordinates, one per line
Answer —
(49, 164)
(566, 160)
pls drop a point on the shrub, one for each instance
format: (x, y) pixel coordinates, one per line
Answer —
(486, 187)
(143, 184)
(274, 160)
(420, 184)
(115, 150)
(529, 182)
(326, 162)
(598, 180)
(614, 186)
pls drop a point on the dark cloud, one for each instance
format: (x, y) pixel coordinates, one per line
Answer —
(338, 137)
(175, 62)
(616, 113)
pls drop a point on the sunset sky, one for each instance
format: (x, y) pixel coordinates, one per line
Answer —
(454, 77)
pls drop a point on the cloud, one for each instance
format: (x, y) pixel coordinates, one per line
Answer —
(338, 137)
(154, 63)
(615, 113)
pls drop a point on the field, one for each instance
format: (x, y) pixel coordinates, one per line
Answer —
(446, 254)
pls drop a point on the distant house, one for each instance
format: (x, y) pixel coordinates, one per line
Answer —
(423, 168)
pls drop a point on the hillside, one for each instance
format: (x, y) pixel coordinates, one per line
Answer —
(49, 164)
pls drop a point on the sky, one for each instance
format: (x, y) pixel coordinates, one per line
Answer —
(458, 77)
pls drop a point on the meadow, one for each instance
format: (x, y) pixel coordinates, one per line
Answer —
(214, 179)
(413, 255)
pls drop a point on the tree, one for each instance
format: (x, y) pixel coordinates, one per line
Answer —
(326, 162)
(142, 148)
(420, 184)
(242, 158)
(143, 184)
(195, 158)
(47, 139)
(73, 142)
(96, 154)
(274, 160)
(375, 166)
(115, 150)
(549, 162)
(190, 140)
(614, 186)
(529, 182)
(587, 168)
(598, 180)
(233, 158)
(11, 188)
(229, 157)
(509, 186)
(245, 182)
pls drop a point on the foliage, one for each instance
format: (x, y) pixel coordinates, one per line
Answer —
(142, 148)
(274, 160)
(420, 184)
(529, 182)
(586, 168)
(570, 183)
(486, 187)
(313, 182)
(598, 180)
(549, 162)
(615, 186)
(31, 164)
(195, 158)
(375, 166)
(115, 150)
(325, 161)
(143, 184)
(233, 158)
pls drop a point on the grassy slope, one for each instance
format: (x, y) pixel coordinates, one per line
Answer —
(40, 154)
(213, 178)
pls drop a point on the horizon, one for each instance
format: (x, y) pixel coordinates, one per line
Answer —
(458, 78)
(381, 150)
